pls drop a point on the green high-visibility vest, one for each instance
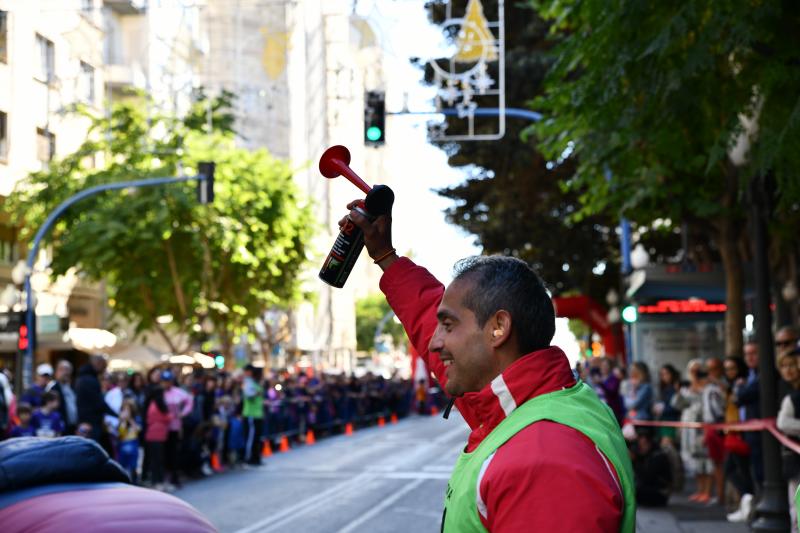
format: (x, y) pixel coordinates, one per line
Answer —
(577, 407)
(797, 504)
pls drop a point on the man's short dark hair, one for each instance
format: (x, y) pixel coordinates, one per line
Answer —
(48, 397)
(508, 283)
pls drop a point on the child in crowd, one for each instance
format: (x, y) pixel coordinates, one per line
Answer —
(24, 428)
(46, 420)
(84, 430)
(224, 410)
(128, 432)
(158, 419)
(236, 439)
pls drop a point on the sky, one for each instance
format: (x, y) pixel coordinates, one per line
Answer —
(418, 167)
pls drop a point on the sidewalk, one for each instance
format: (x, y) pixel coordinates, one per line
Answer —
(684, 516)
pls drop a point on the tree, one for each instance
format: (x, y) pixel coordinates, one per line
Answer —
(658, 94)
(159, 251)
(512, 199)
(370, 312)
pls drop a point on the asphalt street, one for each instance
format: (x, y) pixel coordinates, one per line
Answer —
(380, 479)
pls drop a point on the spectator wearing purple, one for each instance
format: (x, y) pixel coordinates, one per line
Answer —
(24, 428)
(46, 421)
(610, 382)
(33, 396)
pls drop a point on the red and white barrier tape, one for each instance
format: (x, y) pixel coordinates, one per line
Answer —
(758, 424)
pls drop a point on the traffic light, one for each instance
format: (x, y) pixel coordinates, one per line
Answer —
(27, 336)
(374, 118)
(205, 187)
(630, 314)
(219, 359)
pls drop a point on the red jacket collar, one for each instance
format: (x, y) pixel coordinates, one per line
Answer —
(529, 376)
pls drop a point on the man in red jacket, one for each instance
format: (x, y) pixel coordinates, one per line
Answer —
(544, 453)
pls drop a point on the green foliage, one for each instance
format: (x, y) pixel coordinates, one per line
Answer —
(653, 92)
(159, 251)
(649, 99)
(370, 311)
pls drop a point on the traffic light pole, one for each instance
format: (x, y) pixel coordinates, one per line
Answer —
(28, 356)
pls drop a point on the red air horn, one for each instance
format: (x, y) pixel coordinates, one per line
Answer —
(337, 266)
(335, 162)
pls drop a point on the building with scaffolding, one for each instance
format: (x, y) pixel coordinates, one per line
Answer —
(299, 69)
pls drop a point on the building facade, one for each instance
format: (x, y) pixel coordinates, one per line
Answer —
(51, 58)
(300, 70)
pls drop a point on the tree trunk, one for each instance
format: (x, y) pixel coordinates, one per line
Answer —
(734, 286)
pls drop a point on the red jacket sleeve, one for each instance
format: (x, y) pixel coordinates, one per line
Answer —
(550, 477)
(414, 296)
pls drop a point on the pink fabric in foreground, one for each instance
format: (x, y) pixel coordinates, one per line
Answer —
(118, 510)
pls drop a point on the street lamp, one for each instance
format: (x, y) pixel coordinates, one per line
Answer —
(771, 511)
(639, 257)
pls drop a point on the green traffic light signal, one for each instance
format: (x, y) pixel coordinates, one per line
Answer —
(630, 314)
(219, 361)
(374, 133)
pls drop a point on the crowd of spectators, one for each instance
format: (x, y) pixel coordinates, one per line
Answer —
(176, 422)
(710, 391)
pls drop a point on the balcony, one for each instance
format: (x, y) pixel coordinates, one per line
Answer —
(119, 75)
(126, 7)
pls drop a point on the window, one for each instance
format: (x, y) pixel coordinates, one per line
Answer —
(86, 6)
(46, 63)
(86, 83)
(9, 249)
(4, 36)
(45, 145)
(3, 136)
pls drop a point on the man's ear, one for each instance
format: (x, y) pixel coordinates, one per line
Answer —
(500, 328)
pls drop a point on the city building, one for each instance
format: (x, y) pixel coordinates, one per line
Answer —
(51, 57)
(299, 70)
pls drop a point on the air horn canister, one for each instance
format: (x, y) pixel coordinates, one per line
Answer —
(348, 245)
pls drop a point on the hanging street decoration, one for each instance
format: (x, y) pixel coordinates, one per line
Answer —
(476, 40)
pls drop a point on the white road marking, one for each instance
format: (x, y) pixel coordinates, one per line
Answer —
(303, 506)
(416, 475)
(438, 468)
(383, 505)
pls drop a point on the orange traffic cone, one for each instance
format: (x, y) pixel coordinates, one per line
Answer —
(284, 444)
(215, 464)
(381, 422)
(310, 437)
(434, 410)
(266, 450)
(348, 429)
(393, 418)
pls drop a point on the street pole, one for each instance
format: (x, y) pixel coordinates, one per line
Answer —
(772, 510)
(33, 251)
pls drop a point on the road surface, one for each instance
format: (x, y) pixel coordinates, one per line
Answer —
(380, 479)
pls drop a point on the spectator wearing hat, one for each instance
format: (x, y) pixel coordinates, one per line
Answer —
(91, 404)
(33, 396)
(68, 404)
(179, 404)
